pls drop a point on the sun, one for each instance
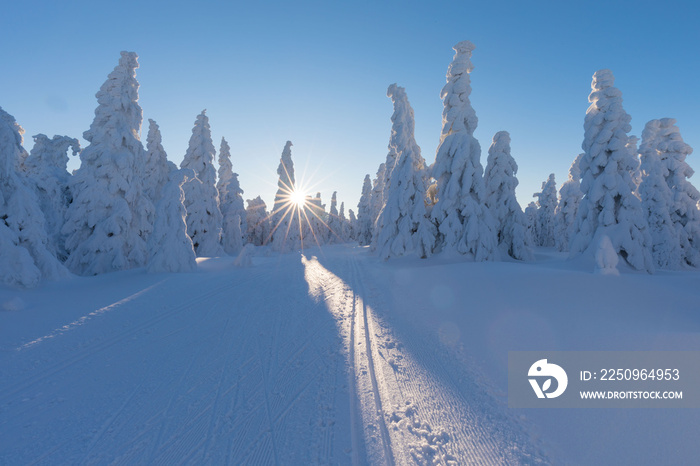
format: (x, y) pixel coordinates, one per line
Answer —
(298, 199)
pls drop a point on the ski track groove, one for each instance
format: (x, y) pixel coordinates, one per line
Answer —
(470, 439)
(369, 349)
(90, 351)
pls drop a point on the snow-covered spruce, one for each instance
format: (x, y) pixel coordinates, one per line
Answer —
(569, 199)
(531, 219)
(657, 201)
(110, 218)
(351, 226)
(285, 216)
(403, 226)
(230, 202)
(672, 151)
(605, 257)
(344, 226)
(245, 257)
(170, 247)
(464, 224)
(258, 222)
(316, 213)
(335, 225)
(609, 206)
(364, 215)
(158, 167)
(376, 200)
(546, 207)
(500, 180)
(46, 170)
(204, 219)
(25, 257)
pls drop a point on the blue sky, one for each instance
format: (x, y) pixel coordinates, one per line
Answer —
(316, 73)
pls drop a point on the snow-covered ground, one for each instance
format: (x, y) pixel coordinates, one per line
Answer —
(331, 357)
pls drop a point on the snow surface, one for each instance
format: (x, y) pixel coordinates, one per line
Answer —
(351, 361)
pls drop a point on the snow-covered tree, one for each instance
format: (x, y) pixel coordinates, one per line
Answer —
(110, 218)
(158, 167)
(25, 257)
(285, 221)
(403, 226)
(47, 174)
(376, 200)
(316, 213)
(364, 214)
(664, 138)
(500, 180)
(546, 207)
(231, 202)
(569, 199)
(531, 218)
(609, 206)
(334, 223)
(464, 224)
(258, 221)
(343, 227)
(351, 233)
(204, 219)
(170, 247)
(657, 201)
(606, 258)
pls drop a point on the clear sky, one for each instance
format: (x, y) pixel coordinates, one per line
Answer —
(316, 73)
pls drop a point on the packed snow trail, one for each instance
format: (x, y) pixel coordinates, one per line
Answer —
(295, 360)
(416, 405)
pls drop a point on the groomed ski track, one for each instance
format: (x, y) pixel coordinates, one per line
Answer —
(299, 359)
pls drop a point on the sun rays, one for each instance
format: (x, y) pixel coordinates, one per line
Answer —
(295, 210)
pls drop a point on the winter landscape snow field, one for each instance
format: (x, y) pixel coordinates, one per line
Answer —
(330, 356)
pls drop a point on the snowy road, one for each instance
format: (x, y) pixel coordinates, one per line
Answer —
(296, 360)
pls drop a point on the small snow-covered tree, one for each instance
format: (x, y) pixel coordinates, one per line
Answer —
(25, 257)
(158, 167)
(500, 180)
(364, 215)
(376, 201)
(258, 222)
(609, 206)
(606, 258)
(683, 209)
(344, 226)
(546, 206)
(47, 174)
(285, 216)
(403, 226)
(334, 223)
(531, 218)
(204, 219)
(170, 247)
(231, 202)
(352, 226)
(316, 213)
(657, 201)
(464, 224)
(110, 218)
(569, 199)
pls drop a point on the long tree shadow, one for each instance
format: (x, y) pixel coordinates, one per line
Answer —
(433, 358)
